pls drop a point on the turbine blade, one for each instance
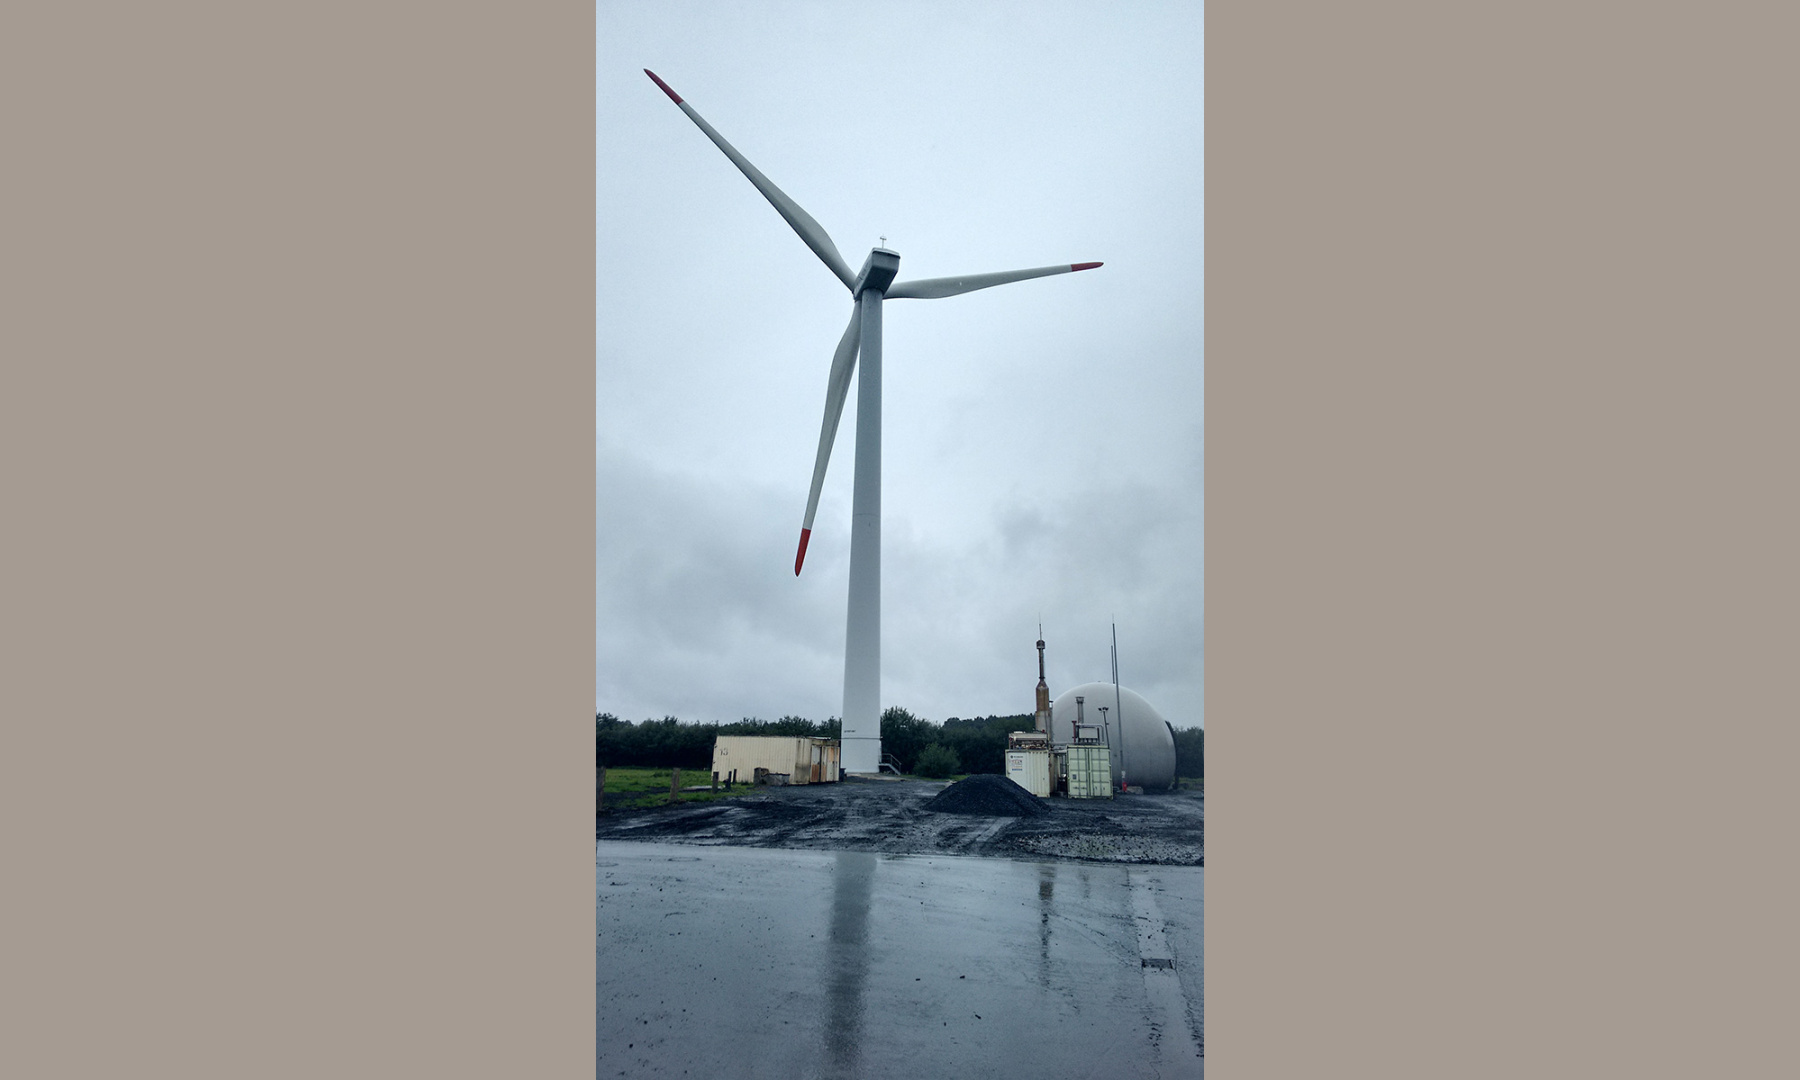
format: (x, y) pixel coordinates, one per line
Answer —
(934, 288)
(810, 231)
(837, 387)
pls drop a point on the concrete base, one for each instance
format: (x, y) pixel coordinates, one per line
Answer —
(860, 754)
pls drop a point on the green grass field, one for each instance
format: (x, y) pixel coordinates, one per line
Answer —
(630, 788)
(635, 788)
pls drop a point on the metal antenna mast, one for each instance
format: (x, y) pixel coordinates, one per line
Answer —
(1118, 703)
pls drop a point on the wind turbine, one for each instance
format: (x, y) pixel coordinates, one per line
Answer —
(868, 287)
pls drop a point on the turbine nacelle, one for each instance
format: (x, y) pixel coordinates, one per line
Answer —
(877, 271)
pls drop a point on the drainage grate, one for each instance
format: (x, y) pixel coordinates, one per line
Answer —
(1159, 962)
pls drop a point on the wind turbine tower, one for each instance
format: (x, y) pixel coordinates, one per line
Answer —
(868, 288)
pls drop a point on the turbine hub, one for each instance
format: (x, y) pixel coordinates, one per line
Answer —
(877, 272)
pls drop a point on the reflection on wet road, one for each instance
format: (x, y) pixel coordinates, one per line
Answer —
(788, 963)
(852, 883)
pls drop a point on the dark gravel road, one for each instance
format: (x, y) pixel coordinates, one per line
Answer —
(892, 817)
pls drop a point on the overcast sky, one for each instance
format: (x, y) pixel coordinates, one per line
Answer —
(1042, 450)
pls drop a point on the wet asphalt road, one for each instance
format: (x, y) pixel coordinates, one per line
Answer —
(757, 962)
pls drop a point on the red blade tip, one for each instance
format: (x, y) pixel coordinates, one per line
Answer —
(1072, 269)
(673, 96)
(800, 556)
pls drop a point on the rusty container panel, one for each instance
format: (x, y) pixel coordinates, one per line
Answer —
(747, 753)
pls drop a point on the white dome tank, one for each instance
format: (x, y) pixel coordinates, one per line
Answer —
(1145, 752)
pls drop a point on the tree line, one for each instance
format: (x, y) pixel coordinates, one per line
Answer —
(921, 746)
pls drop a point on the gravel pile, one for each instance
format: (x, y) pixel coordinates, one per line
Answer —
(987, 793)
(1111, 847)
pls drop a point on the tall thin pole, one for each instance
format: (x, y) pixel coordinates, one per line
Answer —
(862, 627)
(1118, 703)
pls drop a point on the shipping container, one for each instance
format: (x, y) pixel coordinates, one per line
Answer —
(802, 760)
(1090, 772)
(1030, 769)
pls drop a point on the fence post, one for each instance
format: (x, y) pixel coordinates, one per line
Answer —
(675, 785)
(599, 788)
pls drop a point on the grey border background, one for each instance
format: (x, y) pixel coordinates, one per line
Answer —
(1501, 533)
(297, 424)
(299, 433)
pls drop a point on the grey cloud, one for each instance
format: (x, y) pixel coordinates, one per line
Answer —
(1042, 451)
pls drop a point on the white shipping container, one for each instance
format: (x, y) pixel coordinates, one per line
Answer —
(1030, 769)
(802, 760)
